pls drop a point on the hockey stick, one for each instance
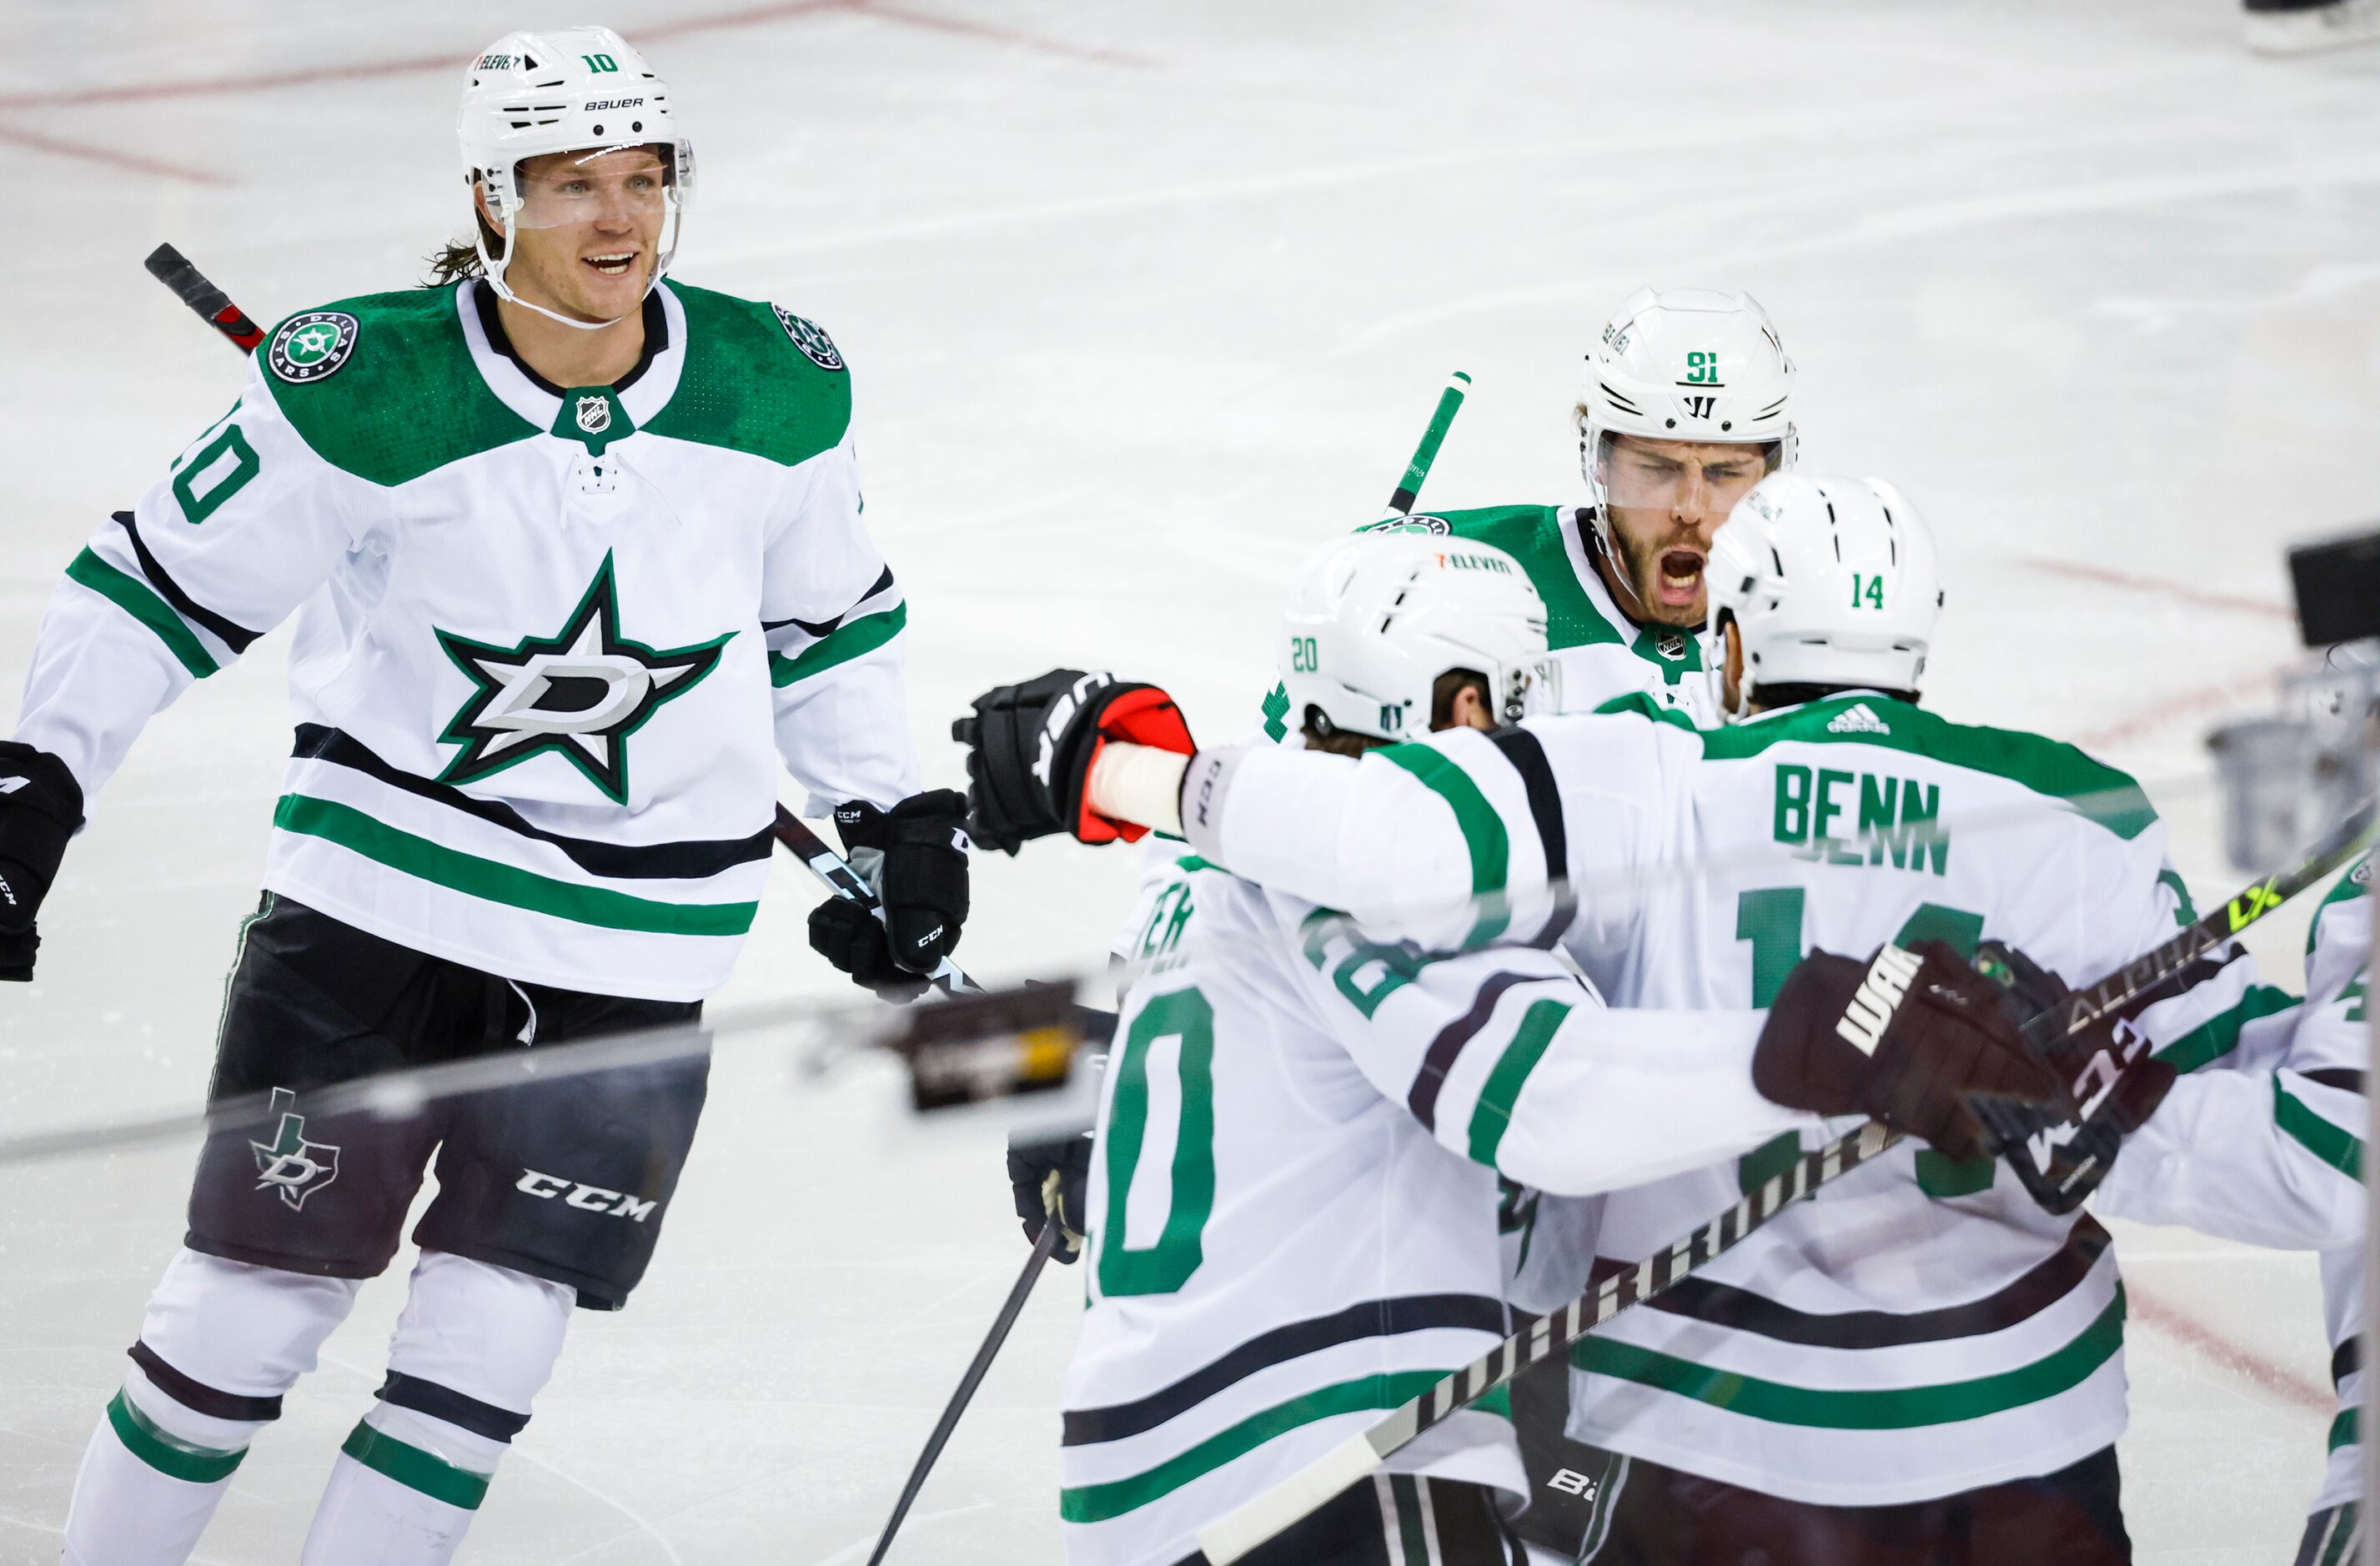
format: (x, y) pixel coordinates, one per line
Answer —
(1236, 1534)
(1009, 1311)
(1449, 402)
(169, 266)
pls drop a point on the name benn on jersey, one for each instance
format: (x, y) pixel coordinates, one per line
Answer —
(1896, 818)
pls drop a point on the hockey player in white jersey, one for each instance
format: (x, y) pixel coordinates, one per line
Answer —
(2271, 1152)
(577, 564)
(1685, 402)
(1294, 1191)
(1921, 1363)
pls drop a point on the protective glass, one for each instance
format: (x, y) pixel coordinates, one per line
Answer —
(636, 183)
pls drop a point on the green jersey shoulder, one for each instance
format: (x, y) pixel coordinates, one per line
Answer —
(2044, 766)
(383, 386)
(1532, 534)
(758, 379)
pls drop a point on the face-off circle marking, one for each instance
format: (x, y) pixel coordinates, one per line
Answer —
(312, 346)
(811, 338)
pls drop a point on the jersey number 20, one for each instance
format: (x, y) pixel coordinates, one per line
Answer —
(1185, 1017)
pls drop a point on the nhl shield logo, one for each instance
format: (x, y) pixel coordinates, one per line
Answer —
(594, 415)
(312, 346)
(1670, 645)
(289, 1163)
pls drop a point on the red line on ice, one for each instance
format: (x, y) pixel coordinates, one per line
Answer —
(2204, 600)
(109, 155)
(303, 76)
(2243, 1362)
(2167, 709)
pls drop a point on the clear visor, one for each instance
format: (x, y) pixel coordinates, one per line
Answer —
(1681, 475)
(633, 184)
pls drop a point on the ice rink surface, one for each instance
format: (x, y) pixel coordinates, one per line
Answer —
(1143, 300)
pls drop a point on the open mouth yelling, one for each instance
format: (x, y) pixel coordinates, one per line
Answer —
(1679, 581)
(613, 265)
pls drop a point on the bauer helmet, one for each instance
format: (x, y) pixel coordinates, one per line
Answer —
(577, 89)
(1829, 581)
(1376, 618)
(1686, 364)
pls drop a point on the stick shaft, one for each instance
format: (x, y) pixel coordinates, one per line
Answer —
(1009, 1311)
(1236, 1533)
(1449, 402)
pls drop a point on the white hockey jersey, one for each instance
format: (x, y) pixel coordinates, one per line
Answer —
(551, 643)
(1921, 1327)
(2271, 1151)
(1294, 1197)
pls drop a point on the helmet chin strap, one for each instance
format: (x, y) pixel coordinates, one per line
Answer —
(504, 293)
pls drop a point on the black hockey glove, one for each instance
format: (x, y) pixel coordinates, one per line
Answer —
(1030, 749)
(2107, 1067)
(1052, 1183)
(852, 937)
(916, 853)
(1908, 1038)
(40, 807)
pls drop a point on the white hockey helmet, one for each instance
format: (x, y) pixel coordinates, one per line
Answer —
(1686, 364)
(576, 90)
(1831, 582)
(1378, 618)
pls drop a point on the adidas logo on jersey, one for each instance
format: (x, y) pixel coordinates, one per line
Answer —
(1879, 994)
(1858, 720)
(10, 785)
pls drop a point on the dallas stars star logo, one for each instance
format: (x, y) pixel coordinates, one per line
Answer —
(579, 693)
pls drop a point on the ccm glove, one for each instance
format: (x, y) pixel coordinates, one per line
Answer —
(1052, 1183)
(1030, 749)
(850, 936)
(1907, 1038)
(2106, 1066)
(920, 852)
(40, 807)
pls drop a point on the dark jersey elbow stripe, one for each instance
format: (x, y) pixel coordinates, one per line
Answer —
(823, 628)
(1447, 1048)
(232, 635)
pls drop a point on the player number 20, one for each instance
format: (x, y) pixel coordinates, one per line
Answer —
(1186, 1017)
(1301, 656)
